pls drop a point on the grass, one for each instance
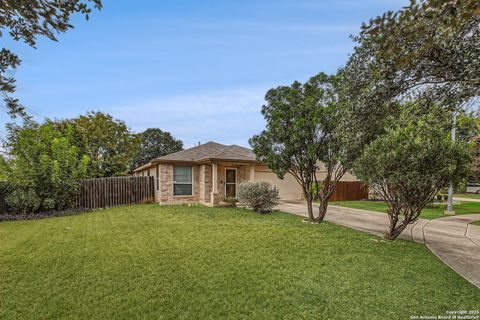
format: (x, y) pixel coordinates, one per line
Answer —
(180, 262)
(476, 223)
(468, 195)
(430, 212)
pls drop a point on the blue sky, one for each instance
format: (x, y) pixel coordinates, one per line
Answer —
(199, 69)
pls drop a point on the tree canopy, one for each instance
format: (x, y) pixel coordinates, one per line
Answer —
(42, 168)
(301, 131)
(43, 162)
(25, 20)
(155, 143)
(108, 143)
(411, 161)
(429, 47)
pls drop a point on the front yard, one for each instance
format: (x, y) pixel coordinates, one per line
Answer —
(430, 212)
(180, 262)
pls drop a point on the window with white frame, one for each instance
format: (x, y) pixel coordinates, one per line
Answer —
(182, 181)
(157, 174)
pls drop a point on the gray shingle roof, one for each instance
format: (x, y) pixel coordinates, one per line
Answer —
(207, 151)
(194, 154)
(233, 152)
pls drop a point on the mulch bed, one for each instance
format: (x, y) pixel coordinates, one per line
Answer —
(42, 215)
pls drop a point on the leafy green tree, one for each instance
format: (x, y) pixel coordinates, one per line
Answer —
(471, 126)
(25, 21)
(427, 51)
(155, 143)
(429, 47)
(467, 125)
(302, 122)
(42, 168)
(366, 101)
(107, 142)
(411, 161)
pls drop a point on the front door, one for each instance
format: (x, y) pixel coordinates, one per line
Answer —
(230, 183)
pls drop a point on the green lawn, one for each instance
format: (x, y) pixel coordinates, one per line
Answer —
(468, 195)
(180, 262)
(430, 212)
(476, 223)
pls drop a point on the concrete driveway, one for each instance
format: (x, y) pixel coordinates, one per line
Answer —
(452, 239)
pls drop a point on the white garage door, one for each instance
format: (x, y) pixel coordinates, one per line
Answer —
(288, 187)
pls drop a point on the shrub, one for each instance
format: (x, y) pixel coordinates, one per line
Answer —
(260, 196)
(23, 201)
(42, 169)
(460, 187)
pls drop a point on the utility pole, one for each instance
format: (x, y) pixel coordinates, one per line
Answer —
(450, 211)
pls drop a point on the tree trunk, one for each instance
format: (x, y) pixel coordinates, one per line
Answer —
(310, 210)
(322, 209)
(394, 229)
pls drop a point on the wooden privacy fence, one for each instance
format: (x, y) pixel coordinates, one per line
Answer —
(350, 190)
(115, 191)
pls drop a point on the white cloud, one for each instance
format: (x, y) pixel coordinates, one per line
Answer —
(229, 116)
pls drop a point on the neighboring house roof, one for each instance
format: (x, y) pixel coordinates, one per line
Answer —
(206, 152)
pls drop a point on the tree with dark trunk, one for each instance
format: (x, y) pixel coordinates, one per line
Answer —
(411, 161)
(301, 135)
(289, 143)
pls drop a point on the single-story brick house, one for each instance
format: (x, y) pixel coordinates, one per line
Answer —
(210, 172)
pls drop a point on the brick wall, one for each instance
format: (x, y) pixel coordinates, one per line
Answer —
(166, 186)
(166, 183)
(205, 183)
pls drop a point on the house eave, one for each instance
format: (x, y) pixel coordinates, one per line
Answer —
(163, 161)
(211, 160)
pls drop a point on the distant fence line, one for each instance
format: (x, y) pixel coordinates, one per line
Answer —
(350, 190)
(115, 191)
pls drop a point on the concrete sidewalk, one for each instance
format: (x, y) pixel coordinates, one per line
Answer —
(452, 239)
(460, 199)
